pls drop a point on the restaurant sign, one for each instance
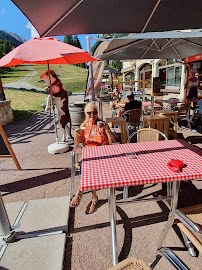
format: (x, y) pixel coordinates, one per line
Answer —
(193, 58)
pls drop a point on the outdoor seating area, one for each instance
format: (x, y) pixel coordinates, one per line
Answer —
(136, 236)
(107, 174)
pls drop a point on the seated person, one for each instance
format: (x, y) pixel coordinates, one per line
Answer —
(91, 135)
(199, 108)
(132, 104)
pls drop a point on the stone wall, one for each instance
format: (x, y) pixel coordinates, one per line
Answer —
(6, 113)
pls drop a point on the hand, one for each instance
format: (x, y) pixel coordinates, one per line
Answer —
(105, 126)
(78, 130)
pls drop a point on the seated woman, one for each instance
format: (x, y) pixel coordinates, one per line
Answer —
(91, 135)
(116, 101)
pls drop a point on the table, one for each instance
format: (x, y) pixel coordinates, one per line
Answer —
(109, 167)
(171, 102)
(148, 104)
(168, 114)
(119, 121)
(162, 123)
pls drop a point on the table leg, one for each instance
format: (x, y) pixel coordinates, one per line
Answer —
(100, 111)
(123, 133)
(175, 193)
(166, 127)
(175, 126)
(112, 216)
(174, 201)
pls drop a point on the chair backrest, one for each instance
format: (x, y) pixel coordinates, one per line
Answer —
(183, 109)
(134, 115)
(147, 135)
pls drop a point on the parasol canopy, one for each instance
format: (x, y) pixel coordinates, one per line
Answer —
(62, 17)
(154, 45)
(41, 50)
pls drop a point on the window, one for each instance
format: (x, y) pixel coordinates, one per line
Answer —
(170, 73)
(174, 76)
(178, 72)
(170, 76)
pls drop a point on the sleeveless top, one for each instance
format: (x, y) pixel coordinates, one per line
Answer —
(192, 89)
(94, 136)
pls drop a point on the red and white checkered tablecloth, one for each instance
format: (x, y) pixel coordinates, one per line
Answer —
(148, 103)
(112, 165)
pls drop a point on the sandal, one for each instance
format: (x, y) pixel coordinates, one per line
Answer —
(92, 206)
(77, 202)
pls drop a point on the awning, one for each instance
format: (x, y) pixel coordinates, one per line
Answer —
(69, 17)
(193, 58)
(154, 45)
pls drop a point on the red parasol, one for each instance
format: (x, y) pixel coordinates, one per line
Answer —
(48, 51)
(41, 50)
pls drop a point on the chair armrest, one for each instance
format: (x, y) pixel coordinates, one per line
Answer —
(186, 221)
(175, 108)
(126, 112)
(74, 153)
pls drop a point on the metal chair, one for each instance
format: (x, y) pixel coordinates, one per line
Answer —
(133, 119)
(198, 111)
(75, 168)
(183, 111)
(145, 135)
(131, 264)
(189, 221)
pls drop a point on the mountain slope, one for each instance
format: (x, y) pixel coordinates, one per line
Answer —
(12, 37)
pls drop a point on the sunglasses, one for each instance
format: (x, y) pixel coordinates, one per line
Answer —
(94, 113)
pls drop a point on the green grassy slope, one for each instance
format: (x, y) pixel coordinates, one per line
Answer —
(72, 76)
(25, 103)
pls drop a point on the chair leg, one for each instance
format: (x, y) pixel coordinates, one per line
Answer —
(171, 257)
(127, 130)
(72, 174)
(189, 245)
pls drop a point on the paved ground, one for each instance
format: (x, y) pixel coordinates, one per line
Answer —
(89, 243)
(24, 82)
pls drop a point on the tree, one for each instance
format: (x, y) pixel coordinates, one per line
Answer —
(117, 64)
(6, 47)
(77, 42)
(69, 40)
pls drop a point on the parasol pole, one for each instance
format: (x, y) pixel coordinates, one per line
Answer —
(61, 73)
(91, 69)
(6, 232)
(51, 93)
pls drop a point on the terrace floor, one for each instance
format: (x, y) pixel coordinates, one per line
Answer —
(88, 244)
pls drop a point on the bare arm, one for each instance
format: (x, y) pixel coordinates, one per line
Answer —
(79, 133)
(110, 136)
(185, 90)
(109, 133)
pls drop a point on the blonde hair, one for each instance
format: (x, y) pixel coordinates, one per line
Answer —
(91, 105)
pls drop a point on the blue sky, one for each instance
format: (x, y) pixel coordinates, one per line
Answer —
(13, 20)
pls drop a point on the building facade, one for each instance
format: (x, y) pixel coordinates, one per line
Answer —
(172, 74)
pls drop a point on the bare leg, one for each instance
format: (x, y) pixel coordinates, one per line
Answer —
(118, 113)
(91, 207)
(77, 198)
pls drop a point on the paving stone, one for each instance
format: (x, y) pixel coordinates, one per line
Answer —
(39, 253)
(46, 214)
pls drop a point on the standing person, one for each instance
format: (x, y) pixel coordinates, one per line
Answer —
(91, 135)
(191, 86)
(132, 104)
